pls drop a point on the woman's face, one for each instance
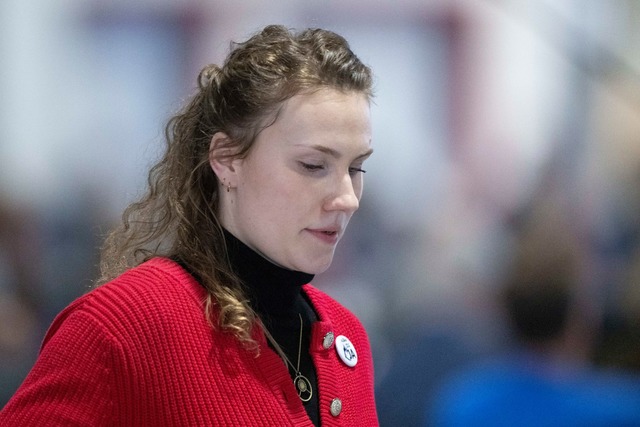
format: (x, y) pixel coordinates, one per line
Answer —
(294, 193)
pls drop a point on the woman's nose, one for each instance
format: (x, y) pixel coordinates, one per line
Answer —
(345, 198)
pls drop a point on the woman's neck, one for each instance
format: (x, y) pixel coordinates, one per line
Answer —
(274, 292)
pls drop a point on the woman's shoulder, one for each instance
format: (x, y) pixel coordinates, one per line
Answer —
(155, 289)
(151, 283)
(154, 274)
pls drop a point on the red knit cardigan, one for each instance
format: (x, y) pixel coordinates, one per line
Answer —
(138, 351)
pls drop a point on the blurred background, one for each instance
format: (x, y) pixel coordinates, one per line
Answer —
(496, 122)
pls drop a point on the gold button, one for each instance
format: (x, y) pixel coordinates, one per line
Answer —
(336, 407)
(327, 342)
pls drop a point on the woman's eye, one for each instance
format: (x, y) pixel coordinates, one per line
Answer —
(354, 171)
(311, 167)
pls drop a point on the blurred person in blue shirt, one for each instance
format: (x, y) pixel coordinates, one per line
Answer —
(548, 378)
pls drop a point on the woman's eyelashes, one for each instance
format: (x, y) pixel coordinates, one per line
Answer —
(312, 167)
(354, 170)
(317, 167)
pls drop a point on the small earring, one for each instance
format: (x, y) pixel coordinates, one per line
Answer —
(228, 188)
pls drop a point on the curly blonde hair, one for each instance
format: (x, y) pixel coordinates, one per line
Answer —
(177, 217)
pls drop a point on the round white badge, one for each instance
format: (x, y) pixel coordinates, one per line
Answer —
(346, 351)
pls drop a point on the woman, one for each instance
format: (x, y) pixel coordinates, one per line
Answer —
(206, 315)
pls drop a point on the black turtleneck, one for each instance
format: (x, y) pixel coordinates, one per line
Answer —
(275, 294)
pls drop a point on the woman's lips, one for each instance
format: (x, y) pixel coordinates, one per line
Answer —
(326, 236)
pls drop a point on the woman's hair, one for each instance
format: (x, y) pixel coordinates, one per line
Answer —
(177, 217)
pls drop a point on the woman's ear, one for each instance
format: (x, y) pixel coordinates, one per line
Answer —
(221, 159)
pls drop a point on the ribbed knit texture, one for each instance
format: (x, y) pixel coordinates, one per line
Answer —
(138, 351)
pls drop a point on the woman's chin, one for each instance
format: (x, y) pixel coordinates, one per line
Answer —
(314, 267)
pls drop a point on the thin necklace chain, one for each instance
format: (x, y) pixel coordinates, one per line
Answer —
(302, 383)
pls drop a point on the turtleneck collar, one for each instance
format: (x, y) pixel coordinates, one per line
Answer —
(274, 292)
